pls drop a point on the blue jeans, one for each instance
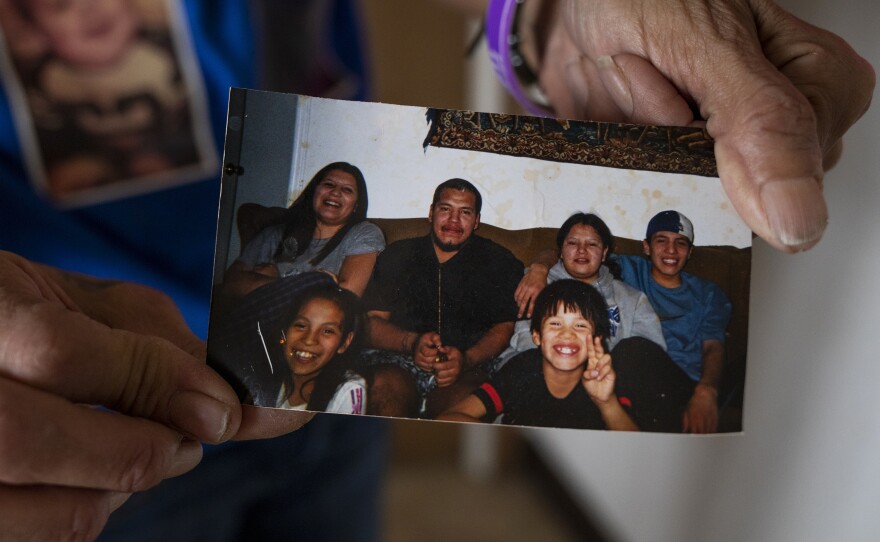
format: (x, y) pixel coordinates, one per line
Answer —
(322, 482)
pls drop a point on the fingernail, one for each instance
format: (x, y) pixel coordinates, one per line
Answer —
(796, 211)
(188, 455)
(616, 84)
(199, 415)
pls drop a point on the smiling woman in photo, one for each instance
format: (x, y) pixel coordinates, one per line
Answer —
(648, 380)
(585, 246)
(324, 229)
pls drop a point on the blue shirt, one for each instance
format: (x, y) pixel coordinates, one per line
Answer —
(164, 239)
(695, 312)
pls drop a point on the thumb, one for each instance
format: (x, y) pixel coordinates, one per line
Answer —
(777, 111)
(145, 376)
(768, 153)
(768, 85)
(88, 354)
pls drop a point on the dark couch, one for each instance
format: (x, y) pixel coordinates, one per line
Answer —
(727, 266)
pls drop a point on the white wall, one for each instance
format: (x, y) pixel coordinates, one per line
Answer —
(808, 465)
(386, 143)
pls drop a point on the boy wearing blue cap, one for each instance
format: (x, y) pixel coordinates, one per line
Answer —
(693, 312)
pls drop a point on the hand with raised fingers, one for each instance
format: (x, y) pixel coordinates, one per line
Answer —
(599, 376)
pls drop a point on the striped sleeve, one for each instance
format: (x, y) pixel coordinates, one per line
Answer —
(490, 398)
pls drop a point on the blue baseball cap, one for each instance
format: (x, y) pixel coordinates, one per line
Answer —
(671, 221)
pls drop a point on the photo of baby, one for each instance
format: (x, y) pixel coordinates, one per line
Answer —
(104, 95)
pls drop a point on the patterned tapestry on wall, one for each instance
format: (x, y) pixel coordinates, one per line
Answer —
(667, 149)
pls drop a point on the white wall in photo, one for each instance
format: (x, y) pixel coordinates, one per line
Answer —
(385, 141)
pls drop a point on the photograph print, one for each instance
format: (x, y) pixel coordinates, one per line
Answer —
(104, 97)
(437, 264)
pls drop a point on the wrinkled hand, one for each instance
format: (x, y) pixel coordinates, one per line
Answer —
(528, 289)
(426, 351)
(599, 376)
(701, 414)
(68, 341)
(776, 93)
(448, 368)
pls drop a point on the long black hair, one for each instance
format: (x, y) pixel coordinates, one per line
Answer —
(300, 222)
(332, 374)
(589, 219)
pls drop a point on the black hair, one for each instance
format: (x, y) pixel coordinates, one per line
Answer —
(592, 220)
(332, 374)
(572, 295)
(300, 222)
(459, 184)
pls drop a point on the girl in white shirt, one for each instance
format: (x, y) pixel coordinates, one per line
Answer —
(319, 343)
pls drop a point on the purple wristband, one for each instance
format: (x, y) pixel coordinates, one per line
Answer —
(500, 17)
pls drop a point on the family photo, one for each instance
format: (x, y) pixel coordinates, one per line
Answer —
(453, 265)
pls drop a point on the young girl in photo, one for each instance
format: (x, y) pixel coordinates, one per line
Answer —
(568, 381)
(319, 341)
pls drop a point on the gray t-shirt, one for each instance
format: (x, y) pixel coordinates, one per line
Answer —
(363, 238)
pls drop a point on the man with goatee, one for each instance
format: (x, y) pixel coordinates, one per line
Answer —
(440, 308)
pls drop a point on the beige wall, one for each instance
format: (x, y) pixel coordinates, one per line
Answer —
(518, 193)
(417, 52)
(806, 467)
